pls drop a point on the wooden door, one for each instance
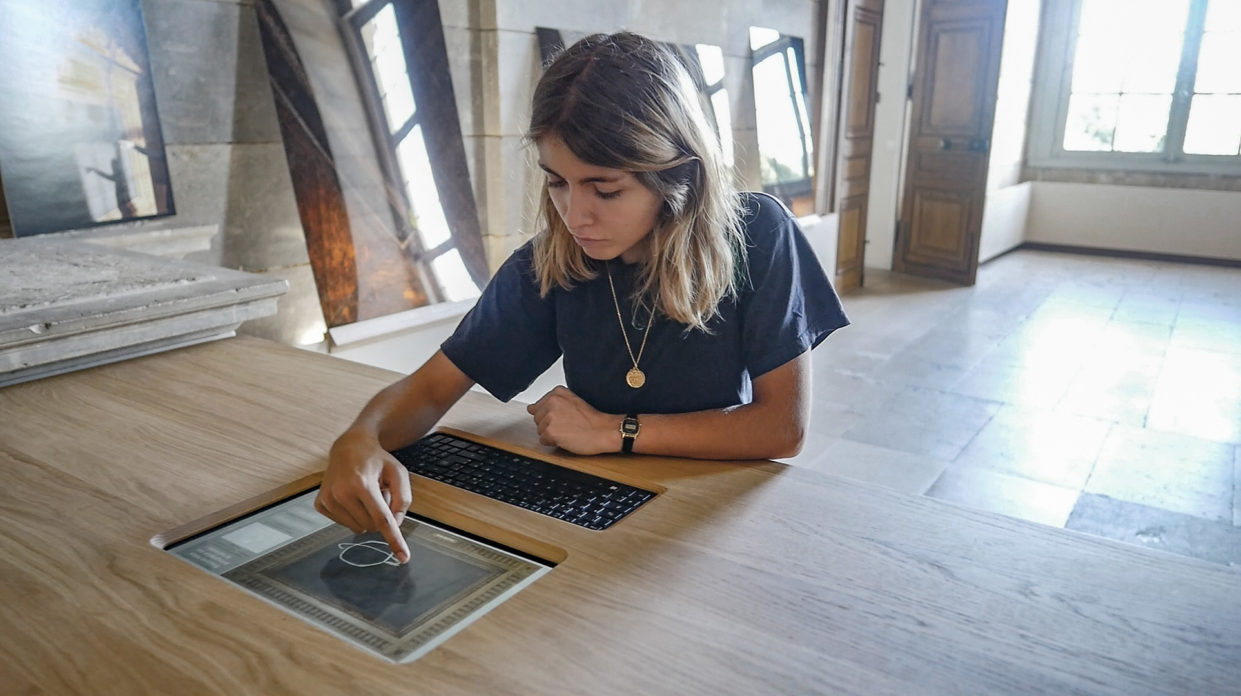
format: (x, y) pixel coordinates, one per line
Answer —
(863, 20)
(954, 92)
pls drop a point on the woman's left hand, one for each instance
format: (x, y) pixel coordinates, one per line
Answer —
(565, 420)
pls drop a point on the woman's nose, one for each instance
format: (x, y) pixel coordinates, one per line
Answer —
(576, 209)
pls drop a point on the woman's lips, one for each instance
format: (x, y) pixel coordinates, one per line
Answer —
(588, 241)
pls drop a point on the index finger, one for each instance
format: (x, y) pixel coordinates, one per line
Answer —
(385, 522)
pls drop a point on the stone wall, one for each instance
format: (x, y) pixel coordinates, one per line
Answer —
(228, 165)
(497, 57)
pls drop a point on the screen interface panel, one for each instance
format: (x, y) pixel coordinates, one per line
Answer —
(351, 584)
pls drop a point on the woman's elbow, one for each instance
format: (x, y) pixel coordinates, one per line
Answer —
(788, 442)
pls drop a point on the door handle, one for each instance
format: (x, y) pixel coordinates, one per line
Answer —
(980, 145)
(945, 144)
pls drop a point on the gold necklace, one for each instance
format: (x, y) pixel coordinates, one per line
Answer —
(635, 377)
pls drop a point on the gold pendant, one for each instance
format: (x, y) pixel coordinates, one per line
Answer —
(635, 378)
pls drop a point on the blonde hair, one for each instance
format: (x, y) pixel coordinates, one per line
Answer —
(622, 101)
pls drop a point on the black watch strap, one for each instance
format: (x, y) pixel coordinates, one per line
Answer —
(629, 432)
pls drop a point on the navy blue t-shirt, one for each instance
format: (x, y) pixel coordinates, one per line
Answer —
(786, 306)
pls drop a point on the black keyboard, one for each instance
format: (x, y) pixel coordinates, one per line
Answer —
(566, 494)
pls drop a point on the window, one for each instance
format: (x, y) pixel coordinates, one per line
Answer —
(708, 66)
(786, 152)
(405, 128)
(1140, 84)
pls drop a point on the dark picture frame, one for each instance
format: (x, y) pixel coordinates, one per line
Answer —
(80, 137)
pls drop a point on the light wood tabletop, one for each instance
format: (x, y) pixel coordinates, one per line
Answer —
(742, 577)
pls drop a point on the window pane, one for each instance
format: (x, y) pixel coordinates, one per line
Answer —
(398, 100)
(1152, 67)
(712, 60)
(760, 36)
(1091, 122)
(1128, 45)
(380, 31)
(777, 118)
(1141, 122)
(723, 118)
(1224, 15)
(428, 214)
(454, 280)
(383, 45)
(1099, 64)
(1219, 63)
(1214, 125)
(799, 101)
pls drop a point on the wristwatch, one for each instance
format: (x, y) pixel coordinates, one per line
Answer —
(629, 432)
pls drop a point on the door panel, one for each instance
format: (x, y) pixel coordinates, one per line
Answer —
(863, 20)
(955, 82)
(958, 54)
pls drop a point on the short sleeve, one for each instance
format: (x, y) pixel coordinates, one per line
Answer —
(790, 305)
(509, 338)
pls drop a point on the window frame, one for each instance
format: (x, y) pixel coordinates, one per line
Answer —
(804, 185)
(352, 17)
(1053, 87)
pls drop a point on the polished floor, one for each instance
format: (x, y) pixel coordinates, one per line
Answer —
(1092, 393)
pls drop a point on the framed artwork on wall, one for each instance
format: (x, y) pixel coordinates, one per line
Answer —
(80, 139)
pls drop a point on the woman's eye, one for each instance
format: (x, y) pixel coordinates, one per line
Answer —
(555, 184)
(605, 195)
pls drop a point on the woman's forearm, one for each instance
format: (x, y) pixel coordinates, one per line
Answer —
(405, 410)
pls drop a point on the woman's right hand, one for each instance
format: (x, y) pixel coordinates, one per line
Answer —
(366, 489)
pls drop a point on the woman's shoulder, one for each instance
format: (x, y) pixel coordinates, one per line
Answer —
(520, 261)
(762, 213)
(765, 220)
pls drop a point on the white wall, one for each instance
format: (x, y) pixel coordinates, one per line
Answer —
(888, 155)
(1004, 219)
(1008, 202)
(1137, 218)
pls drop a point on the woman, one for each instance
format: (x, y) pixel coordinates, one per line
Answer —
(685, 312)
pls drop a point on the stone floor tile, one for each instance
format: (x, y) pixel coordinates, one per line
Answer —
(902, 471)
(1236, 486)
(1166, 470)
(1051, 447)
(1006, 494)
(1198, 393)
(1156, 528)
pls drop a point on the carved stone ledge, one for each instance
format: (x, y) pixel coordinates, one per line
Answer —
(67, 305)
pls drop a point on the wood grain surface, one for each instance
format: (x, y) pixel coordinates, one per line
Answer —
(747, 578)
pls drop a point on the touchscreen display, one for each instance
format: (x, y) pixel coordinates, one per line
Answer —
(351, 584)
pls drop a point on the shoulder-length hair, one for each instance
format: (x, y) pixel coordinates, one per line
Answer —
(624, 102)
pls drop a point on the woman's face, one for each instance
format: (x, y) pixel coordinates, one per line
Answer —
(608, 211)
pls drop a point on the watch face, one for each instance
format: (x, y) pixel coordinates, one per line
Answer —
(629, 426)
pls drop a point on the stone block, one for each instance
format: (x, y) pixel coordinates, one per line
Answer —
(67, 305)
(575, 15)
(455, 13)
(299, 319)
(519, 72)
(261, 228)
(247, 191)
(465, 63)
(209, 72)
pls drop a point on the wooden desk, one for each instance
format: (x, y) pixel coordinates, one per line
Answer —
(749, 578)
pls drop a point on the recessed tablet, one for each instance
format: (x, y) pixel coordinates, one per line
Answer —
(351, 585)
